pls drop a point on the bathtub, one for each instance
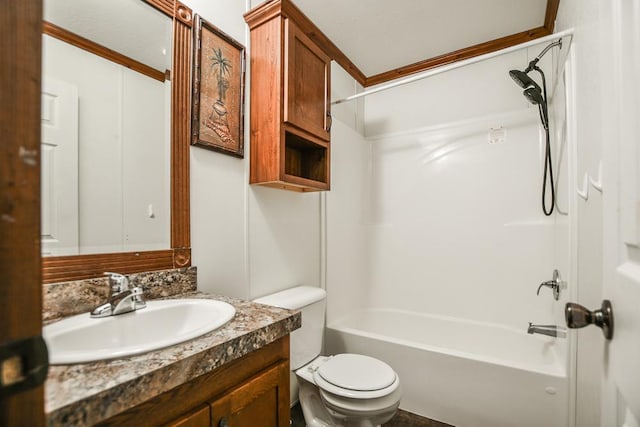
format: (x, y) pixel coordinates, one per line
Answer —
(464, 373)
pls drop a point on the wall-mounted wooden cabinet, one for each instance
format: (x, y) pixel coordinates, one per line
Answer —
(290, 101)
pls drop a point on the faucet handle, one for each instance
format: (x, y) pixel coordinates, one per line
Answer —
(138, 297)
(117, 282)
(554, 284)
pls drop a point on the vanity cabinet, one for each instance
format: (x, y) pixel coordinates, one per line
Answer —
(250, 391)
(254, 403)
(290, 101)
(200, 417)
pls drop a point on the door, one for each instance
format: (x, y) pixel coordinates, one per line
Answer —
(59, 160)
(20, 268)
(621, 228)
(307, 84)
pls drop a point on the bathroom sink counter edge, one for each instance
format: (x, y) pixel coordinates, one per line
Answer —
(87, 393)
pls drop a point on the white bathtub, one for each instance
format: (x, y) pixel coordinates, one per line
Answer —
(468, 374)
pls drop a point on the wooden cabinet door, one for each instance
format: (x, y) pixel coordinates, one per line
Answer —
(201, 417)
(262, 401)
(307, 83)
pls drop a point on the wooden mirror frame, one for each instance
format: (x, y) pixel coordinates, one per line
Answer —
(77, 267)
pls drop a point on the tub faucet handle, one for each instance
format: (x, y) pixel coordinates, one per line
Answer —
(554, 284)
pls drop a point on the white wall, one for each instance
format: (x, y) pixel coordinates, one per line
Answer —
(219, 187)
(284, 240)
(463, 93)
(123, 162)
(247, 241)
(346, 204)
(590, 60)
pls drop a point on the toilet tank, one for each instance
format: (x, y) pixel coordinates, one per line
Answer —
(306, 342)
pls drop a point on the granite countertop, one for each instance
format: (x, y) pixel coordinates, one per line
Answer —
(85, 394)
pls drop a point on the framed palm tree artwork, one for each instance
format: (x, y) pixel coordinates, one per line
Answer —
(218, 90)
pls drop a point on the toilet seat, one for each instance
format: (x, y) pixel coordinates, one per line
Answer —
(356, 376)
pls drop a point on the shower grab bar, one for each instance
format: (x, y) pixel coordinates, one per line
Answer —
(448, 67)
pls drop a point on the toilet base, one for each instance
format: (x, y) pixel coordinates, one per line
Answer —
(364, 414)
(323, 409)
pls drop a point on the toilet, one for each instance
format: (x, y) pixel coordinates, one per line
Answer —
(350, 390)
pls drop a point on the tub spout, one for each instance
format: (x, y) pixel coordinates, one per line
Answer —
(550, 330)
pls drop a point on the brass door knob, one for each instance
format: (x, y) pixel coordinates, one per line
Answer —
(578, 316)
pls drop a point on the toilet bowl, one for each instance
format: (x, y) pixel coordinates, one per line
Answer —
(350, 390)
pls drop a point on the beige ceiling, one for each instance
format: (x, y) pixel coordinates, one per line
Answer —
(382, 35)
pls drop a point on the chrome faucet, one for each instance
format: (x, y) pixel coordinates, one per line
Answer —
(549, 330)
(122, 297)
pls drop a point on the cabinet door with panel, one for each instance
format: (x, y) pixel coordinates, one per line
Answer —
(307, 83)
(263, 400)
(200, 417)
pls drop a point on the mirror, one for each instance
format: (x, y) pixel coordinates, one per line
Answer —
(129, 210)
(105, 127)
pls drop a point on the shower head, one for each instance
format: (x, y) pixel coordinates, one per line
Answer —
(523, 80)
(538, 96)
(534, 95)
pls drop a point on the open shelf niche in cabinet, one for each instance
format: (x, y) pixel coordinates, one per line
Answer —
(290, 107)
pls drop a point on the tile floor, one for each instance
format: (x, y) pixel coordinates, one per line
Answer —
(401, 419)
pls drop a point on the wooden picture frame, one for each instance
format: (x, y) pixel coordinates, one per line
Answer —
(218, 90)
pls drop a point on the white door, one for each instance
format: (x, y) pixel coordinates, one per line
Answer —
(59, 148)
(621, 232)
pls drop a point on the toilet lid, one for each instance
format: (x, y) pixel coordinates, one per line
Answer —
(357, 372)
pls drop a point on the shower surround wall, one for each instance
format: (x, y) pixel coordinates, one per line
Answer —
(454, 223)
(456, 227)
(445, 222)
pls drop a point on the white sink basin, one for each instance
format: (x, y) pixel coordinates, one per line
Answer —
(81, 339)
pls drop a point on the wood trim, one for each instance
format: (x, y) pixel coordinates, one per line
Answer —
(20, 285)
(551, 14)
(263, 13)
(181, 134)
(90, 46)
(164, 6)
(184, 14)
(66, 268)
(317, 36)
(181, 257)
(304, 184)
(268, 10)
(458, 55)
